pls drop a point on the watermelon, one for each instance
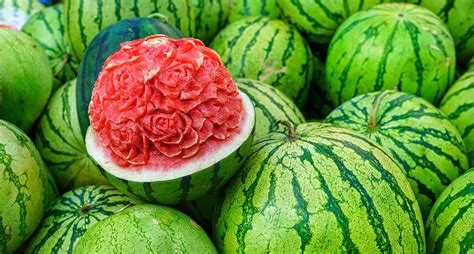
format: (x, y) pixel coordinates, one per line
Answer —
(270, 106)
(25, 78)
(146, 228)
(24, 187)
(61, 144)
(47, 28)
(390, 45)
(102, 46)
(244, 8)
(417, 135)
(458, 105)
(169, 127)
(318, 20)
(458, 16)
(15, 13)
(318, 189)
(449, 227)
(470, 65)
(197, 18)
(267, 50)
(69, 217)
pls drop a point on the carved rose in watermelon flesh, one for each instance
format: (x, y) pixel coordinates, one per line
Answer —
(159, 101)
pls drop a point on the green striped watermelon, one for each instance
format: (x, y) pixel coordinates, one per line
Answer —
(102, 46)
(24, 187)
(458, 105)
(318, 20)
(449, 227)
(390, 45)
(320, 189)
(25, 78)
(267, 50)
(59, 140)
(458, 15)
(197, 18)
(245, 8)
(416, 134)
(470, 65)
(146, 229)
(47, 28)
(15, 13)
(69, 217)
(270, 106)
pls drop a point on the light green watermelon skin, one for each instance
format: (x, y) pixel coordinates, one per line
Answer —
(318, 20)
(25, 78)
(198, 18)
(191, 187)
(393, 45)
(458, 16)
(246, 8)
(47, 28)
(330, 190)
(267, 50)
(146, 229)
(72, 214)
(458, 106)
(25, 191)
(270, 106)
(60, 142)
(449, 226)
(15, 13)
(417, 135)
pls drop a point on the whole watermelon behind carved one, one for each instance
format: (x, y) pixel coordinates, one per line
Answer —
(319, 189)
(60, 142)
(146, 229)
(267, 50)
(84, 19)
(169, 127)
(25, 78)
(25, 187)
(72, 214)
(102, 46)
(15, 13)
(47, 28)
(418, 136)
(391, 45)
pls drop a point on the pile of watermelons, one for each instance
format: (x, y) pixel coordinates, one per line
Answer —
(297, 126)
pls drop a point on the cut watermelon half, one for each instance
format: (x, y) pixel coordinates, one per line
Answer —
(168, 123)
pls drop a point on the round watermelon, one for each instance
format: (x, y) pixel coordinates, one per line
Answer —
(47, 28)
(25, 187)
(59, 140)
(267, 50)
(106, 42)
(458, 105)
(417, 135)
(318, 20)
(270, 106)
(15, 13)
(458, 15)
(449, 226)
(391, 45)
(146, 228)
(25, 78)
(72, 214)
(198, 18)
(168, 124)
(319, 189)
(244, 8)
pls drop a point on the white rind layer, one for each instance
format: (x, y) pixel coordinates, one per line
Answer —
(99, 154)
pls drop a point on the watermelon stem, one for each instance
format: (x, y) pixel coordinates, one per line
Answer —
(291, 128)
(372, 122)
(86, 207)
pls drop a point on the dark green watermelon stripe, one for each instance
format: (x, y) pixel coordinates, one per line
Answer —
(463, 40)
(413, 32)
(304, 13)
(248, 47)
(382, 65)
(464, 89)
(268, 50)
